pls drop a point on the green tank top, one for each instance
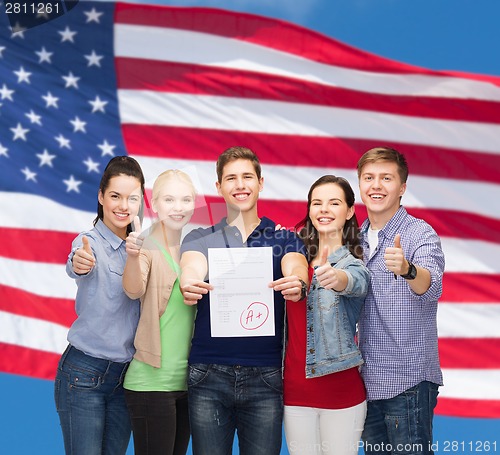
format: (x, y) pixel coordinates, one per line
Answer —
(176, 330)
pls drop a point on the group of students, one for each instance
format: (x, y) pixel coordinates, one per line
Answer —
(354, 352)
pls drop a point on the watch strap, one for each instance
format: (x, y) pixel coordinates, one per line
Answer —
(303, 289)
(412, 272)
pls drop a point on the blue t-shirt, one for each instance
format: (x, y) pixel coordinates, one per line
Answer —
(245, 351)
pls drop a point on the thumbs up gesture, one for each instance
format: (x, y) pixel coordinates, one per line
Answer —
(83, 259)
(327, 276)
(135, 239)
(395, 259)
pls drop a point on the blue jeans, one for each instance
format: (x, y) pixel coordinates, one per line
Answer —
(225, 399)
(91, 404)
(403, 424)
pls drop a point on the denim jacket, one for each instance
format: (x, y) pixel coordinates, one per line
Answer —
(332, 318)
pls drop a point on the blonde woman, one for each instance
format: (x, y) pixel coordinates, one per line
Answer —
(155, 383)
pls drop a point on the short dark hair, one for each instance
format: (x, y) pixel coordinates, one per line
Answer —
(385, 154)
(237, 153)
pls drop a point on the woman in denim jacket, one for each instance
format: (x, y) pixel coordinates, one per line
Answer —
(324, 395)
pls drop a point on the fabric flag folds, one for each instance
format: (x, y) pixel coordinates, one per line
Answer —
(174, 87)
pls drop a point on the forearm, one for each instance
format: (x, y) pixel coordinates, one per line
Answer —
(132, 277)
(428, 257)
(295, 274)
(342, 281)
(191, 274)
(422, 281)
(194, 267)
(295, 264)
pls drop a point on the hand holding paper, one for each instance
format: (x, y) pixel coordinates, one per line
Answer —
(290, 287)
(193, 290)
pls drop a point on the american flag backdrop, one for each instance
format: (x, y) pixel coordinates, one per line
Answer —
(174, 87)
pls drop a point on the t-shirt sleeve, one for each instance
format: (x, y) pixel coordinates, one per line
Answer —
(195, 241)
(294, 244)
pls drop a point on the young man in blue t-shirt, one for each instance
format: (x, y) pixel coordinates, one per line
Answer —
(235, 383)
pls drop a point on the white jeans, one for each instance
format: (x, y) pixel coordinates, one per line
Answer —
(313, 431)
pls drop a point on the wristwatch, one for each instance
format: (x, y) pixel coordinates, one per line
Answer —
(412, 272)
(303, 289)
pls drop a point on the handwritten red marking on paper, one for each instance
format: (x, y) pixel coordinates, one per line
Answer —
(254, 316)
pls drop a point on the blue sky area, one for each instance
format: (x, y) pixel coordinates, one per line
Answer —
(460, 35)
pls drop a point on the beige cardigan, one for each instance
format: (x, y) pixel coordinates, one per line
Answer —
(158, 279)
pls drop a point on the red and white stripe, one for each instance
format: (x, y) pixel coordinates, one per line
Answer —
(194, 81)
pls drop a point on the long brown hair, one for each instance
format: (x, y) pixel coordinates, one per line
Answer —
(350, 233)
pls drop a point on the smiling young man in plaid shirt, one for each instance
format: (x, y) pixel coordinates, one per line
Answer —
(398, 327)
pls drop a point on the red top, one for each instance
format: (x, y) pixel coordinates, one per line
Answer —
(333, 391)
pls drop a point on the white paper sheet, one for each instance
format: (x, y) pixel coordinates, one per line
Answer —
(241, 303)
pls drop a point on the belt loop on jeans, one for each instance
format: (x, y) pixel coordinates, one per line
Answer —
(65, 354)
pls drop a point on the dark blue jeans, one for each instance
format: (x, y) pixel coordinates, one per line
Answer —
(403, 424)
(228, 399)
(91, 404)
